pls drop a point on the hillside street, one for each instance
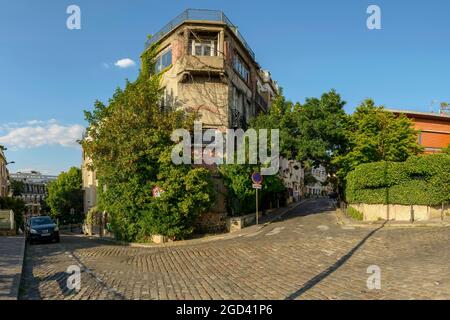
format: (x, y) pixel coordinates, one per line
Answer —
(306, 255)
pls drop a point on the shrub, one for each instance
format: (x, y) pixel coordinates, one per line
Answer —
(421, 180)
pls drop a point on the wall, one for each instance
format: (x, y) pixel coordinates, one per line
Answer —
(374, 212)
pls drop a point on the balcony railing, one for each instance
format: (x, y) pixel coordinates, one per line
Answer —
(198, 15)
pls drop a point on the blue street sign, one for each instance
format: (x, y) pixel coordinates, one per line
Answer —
(257, 178)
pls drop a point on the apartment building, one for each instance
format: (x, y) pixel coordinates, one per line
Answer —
(434, 128)
(34, 189)
(208, 67)
(3, 175)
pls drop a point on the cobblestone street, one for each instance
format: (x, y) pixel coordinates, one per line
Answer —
(306, 255)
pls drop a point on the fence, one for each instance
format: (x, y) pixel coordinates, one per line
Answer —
(198, 15)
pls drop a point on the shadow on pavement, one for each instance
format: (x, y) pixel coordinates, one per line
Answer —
(312, 282)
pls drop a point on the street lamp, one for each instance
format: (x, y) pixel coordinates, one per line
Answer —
(12, 162)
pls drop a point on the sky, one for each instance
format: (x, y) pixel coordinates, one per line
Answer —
(50, 74)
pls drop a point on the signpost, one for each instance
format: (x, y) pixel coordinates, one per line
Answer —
(257, 179)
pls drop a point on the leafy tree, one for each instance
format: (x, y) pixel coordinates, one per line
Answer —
(64, 194)
(376, 135)
(17, 206)
(129, 142)
(17, 187)
(446, 150)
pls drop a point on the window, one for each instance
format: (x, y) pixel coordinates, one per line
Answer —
(163, 61)
(240, 67)
(203, 47)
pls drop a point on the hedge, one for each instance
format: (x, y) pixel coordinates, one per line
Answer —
(421, 180)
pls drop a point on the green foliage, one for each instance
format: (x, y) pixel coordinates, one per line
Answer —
(376, 135)
(93, 216)
(355, 214)
(447, 150)
(130, 146)
(17, 187)
(420, 180)
(64, 194)
(17, 206)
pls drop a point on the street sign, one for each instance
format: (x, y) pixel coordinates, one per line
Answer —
(257, 186)
(257, 178)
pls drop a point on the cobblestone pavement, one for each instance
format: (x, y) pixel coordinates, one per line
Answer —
(306, 255)
(11, 259)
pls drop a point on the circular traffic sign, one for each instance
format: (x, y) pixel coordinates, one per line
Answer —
(257, 178)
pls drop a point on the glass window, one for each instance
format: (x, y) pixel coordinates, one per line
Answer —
(203, 47)
(163, 61)
(241, 68)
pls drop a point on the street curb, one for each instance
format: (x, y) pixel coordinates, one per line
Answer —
(16, 286)
(225, 236)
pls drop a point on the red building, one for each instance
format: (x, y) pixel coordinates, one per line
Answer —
(434, 128)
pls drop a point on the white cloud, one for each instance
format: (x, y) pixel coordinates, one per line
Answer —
(125, 63)
(37, 133)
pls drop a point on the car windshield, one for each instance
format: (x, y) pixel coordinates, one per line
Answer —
(41, 221)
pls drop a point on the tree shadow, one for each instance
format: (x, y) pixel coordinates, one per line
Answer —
(37, 256)
(324, 274)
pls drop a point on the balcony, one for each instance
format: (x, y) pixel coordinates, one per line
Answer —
(199, 15)
(204, 64)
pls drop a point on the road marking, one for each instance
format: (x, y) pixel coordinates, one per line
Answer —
(275, 231)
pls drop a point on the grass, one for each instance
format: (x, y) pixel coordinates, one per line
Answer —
(355, 214)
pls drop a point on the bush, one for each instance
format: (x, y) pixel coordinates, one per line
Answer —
(421, 180)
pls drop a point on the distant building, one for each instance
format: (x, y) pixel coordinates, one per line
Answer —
(3, 175)
(320, 187)
(434, 128)
(292, 174)
(34, 189)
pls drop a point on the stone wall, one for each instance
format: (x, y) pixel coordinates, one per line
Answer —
(373, 212)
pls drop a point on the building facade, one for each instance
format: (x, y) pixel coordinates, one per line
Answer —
(434, 129)
(208, 67)
(34, 189)
(3, 175)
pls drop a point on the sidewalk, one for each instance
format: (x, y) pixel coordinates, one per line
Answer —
(12, 251)
(245, 232)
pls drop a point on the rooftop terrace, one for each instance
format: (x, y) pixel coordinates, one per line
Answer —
(198, 15)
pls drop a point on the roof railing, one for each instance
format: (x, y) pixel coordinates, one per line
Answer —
(198, 15)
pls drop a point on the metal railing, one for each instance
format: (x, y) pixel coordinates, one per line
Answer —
(198, 15)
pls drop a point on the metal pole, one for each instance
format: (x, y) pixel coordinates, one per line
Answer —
(257, 212)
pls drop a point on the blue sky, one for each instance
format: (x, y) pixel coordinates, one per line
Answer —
(49, 74)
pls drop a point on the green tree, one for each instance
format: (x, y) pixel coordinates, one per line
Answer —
(65, 194)
(129, 142)
(376, 135)
(446, 150)
(17, 187)
(17, 206)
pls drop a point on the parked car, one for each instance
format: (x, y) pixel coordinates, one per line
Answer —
(41, 228)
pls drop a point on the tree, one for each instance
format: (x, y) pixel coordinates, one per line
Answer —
(446, 150)
(376, 135)
(17, 206)
(65, 194)
(17, 187)
(129, 142)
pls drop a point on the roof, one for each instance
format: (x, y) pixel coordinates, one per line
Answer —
(420, 114)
